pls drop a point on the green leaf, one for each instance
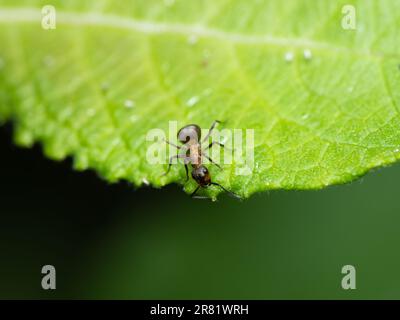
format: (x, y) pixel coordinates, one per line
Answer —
(324, 101)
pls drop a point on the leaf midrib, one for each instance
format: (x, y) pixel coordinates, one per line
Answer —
(32, 15)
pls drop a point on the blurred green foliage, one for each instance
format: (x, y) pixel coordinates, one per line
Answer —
(161, 244)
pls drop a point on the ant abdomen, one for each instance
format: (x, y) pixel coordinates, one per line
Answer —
(191, 132)
(201, 176)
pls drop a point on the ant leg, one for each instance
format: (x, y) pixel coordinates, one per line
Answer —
(215, 142)
(211, 160)
(193, 196)
(172, 144)
(178, 156)
(233, 195)
(211, 130)
(194, 192)
(187, 172)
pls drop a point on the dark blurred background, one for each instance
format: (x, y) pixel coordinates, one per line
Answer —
(112, 241)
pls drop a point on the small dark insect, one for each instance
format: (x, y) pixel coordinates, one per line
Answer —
(190, 136)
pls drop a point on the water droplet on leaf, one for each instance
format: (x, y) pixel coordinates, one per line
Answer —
(129, 104)
(307, 54)
(289, 56)
(192, 39)
(192, 101)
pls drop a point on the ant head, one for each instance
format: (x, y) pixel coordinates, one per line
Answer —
(201, 176)
(191, 132)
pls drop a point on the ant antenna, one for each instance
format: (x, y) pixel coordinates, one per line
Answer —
(233, 195)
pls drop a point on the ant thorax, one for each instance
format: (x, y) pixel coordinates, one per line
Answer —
(194, 154)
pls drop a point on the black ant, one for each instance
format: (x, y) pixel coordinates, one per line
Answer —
(190, 136)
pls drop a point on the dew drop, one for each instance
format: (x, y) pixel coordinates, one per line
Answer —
(289, 56)
(307, 54)
(305, 116)
(192, 39)
(396, 150)
(145, 182)
(129, 104)
(192, 101)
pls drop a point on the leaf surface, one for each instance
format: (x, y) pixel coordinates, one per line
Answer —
(324, 101)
